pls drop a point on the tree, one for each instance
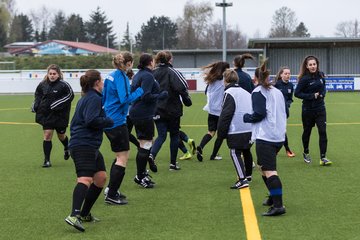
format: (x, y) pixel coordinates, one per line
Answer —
(283, 23)
(58, 26)
(301, 31)
(192, 28)
(21, 29)
(2, 35)
(234, 37)
(99, 29)
(158, 33)
(127, 41)
(41, 19)
(74, 29)
(348, 29)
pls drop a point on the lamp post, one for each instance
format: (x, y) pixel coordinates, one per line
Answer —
(224, 5)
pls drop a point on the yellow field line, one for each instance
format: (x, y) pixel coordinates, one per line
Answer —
(17, 123)
(12, 109)
(250, 220)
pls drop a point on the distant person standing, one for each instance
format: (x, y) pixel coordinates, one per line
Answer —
(142, 113)
(245, 80)
(287, 88)
(311, 89)
(169, 110)
(86, 131)
(53, 97)
(214, 93)
(237, 102)
(117, 96)
(268, 117)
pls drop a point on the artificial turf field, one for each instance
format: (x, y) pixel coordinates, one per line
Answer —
(193, 203)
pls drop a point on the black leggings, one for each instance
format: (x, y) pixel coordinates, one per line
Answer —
(309, 119)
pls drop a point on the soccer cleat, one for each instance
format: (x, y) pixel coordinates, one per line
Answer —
(106, 190)
(192, 146)
(217, 157)
(66, 154)
(89, 218)
(290, 154)
(174, 167)
(240, 184)
(115, 200)
(325, 162)
(148, 178)
(152, 164)
(253, 165)
(249, 178)
(186, 156)
(46, 164)
(199, 155)
(273, 211)
(143, 183)
(75, 222)
(268, 201)
(307, 157)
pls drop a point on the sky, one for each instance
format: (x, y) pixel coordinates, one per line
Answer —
(253, 17)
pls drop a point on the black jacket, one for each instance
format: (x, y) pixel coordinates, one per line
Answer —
(88, 122)
(245, 80)
(53, 103)
(306, 88)
(174, 82)
(287, 90)
(145, 106)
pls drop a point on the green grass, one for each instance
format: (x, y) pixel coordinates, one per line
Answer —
(194, 203)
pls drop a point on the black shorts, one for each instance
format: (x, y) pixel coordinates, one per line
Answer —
(212, 122)
(87, 160)
(266, 156)
(144, 129)
(58, 130)
(172, 124)
(119, 138)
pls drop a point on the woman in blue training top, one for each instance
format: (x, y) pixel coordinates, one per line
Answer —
(287, 88)
(86, 131)
(116, 100)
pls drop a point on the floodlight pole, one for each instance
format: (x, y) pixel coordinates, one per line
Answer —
(224, 5)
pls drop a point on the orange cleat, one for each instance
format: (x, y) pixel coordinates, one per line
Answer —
(290, 154)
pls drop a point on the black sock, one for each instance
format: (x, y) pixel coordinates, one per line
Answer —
(141, 161)
(134, 140)
(65, 143)
(79, 194)
(183, 136)
(117, 174)
(207, 137)
(217, 146)
(91, 197)
(182, 146)
(47, 146)
(275, 188)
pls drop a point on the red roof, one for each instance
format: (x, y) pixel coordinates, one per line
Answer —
(82, 45)
(87, 46)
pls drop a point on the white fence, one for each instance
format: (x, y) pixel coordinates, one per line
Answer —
(26, 81)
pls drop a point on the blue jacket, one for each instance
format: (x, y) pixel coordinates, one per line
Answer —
(86, 128)
(145, 107)
(287, 90)
(117, 96)
(245, 80)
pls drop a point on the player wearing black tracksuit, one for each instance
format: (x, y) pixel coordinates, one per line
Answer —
(231, 126)
(170, 109)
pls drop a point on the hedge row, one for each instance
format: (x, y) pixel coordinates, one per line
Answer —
(65, 62)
